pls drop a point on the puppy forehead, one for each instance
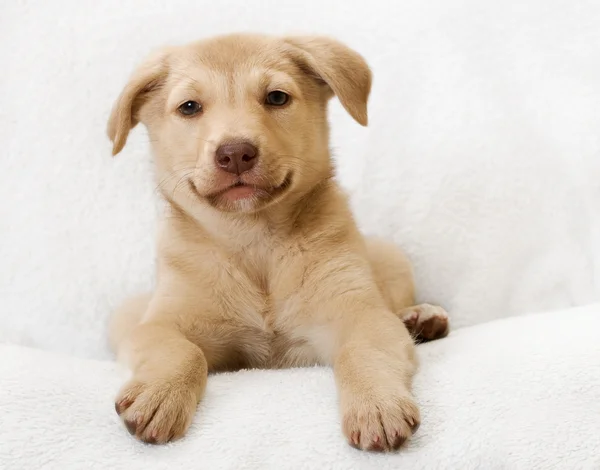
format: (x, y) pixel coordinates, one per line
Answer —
(224, 67)
(237, 54)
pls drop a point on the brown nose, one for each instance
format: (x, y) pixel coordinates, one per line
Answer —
(236, 157)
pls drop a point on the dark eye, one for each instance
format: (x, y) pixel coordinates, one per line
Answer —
(277, 98)
(189, 108)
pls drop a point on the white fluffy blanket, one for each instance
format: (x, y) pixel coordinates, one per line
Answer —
(513, 394)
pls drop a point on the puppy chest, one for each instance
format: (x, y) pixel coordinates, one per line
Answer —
(270, 302)
(269, 282)
(274, 331)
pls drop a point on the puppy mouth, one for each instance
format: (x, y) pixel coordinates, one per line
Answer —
(241, 190)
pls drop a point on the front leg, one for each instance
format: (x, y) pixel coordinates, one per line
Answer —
(370, 349)
(169, 377)
(374, 365)
(170, 347)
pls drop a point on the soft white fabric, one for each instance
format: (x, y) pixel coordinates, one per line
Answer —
(482, 157)
(520, 393)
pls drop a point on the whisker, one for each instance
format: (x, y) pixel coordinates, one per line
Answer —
(182, 180)
(175, 174)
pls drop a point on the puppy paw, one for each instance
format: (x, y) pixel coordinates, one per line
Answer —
(426, 322)
(156, 411)
(380, 424)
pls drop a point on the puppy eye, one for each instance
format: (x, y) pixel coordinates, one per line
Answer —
(277, 98)
(189, 108)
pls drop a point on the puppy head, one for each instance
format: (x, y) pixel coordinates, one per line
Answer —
(239, 122)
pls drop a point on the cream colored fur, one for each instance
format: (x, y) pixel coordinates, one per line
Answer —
(280, 277)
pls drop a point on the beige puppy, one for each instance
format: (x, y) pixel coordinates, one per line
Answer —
(260, 263)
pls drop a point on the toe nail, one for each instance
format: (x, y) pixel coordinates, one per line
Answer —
(121, 406)
(131, 426)
(398, 441)
(376, 446)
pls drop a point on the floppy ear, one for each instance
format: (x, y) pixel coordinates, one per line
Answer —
(146, 78)
(341, 68)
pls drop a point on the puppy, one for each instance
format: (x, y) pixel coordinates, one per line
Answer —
(260, 263)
